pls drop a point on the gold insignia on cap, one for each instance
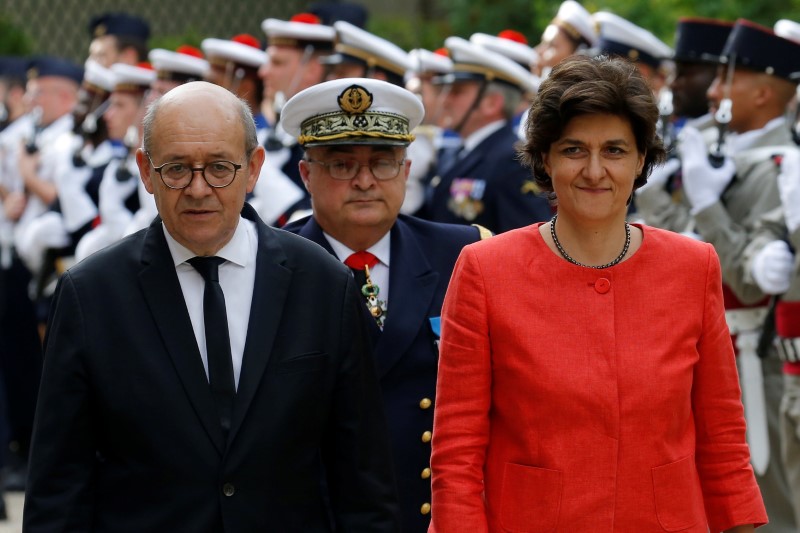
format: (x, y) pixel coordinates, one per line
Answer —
(100, 30)
(633, 55)
(355, 99)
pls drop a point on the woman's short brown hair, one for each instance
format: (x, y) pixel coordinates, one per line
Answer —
(582, 85)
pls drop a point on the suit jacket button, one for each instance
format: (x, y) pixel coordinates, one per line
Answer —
(425, 508)
(602, 285)
(426, 473)
(426, 437)
(228, 489)
(425, 403)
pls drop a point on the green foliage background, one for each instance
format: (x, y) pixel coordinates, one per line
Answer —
(59, 26)
(439, 19)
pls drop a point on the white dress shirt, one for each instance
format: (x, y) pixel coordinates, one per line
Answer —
(379, 274)
(237, 276)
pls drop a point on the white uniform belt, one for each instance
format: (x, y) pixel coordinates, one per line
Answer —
(748, 319)
(788, 349)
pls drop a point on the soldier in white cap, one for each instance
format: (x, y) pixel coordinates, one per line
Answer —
(355, 132)
(294, 50)
(485, 184)
(234, 65)
(431, 138)
(621, 37)
(118, 199)
(572, 30)
(183, 65)
(186, 64)
(360, 53)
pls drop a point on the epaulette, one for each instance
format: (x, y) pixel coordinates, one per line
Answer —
(484, 232)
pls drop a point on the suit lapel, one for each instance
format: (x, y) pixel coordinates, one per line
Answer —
(269, 294)
(163, 294)
(412, 287)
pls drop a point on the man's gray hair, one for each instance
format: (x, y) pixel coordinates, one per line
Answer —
(246, 116)
(511, 97)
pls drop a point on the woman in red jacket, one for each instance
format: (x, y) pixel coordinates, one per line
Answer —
(587, 380)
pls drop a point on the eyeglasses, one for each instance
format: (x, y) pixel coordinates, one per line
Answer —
(218, 174)
(347, 169)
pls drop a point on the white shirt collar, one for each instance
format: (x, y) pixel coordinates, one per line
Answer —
(380, 249)
(478, 136)
(235, 250)
(743, 141)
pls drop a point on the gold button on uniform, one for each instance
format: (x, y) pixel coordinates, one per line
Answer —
(425, 403)
(426, 473)
(425, 509)
(228, 489)
(426, 437)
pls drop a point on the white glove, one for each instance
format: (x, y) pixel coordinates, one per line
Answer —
(772, 267)
(789, 187)
(660, 174)
(702, 182)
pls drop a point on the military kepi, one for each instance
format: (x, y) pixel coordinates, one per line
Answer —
(701, 40)
(758, 48)
(352, 111)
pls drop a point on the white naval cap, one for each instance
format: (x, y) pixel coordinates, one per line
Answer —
(353, 43)
(242, 49)
(303, 29)
(509, 43)
(130, 78)
(788, 29)
(622, 37)
(426, 62)
(97, 77)
(184, 64)
(471, 61)
(576, 22)
(352, 111)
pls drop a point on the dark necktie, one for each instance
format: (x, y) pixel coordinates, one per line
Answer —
(218, 344)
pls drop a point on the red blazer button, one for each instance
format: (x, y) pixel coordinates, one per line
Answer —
(602, 285)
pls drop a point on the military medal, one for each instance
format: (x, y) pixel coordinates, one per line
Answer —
(377, 308)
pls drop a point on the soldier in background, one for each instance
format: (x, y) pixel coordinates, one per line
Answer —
(118, 199)
(621, 37)
(698, 48)
(118, 38)
(484, 183)
(728, 193)
(295, 49)
(28, 179)
(234, 65)
(571, 31)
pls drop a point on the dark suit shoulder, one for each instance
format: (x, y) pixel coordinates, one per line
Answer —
(300, 250)
(296, 225)
(440, 234)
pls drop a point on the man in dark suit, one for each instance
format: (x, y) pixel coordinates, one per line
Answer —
(145, 424)
(355, 133)
(484, 183)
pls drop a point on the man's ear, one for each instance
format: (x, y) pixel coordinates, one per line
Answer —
(254, 167)
(145, 170)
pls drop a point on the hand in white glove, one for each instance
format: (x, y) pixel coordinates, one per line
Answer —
(660, 174)
(702, 183)
(772, 267)
(789, 187)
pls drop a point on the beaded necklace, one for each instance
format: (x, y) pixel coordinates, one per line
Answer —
(566, 256)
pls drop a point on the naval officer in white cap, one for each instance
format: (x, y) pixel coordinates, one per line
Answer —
(355, 132)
